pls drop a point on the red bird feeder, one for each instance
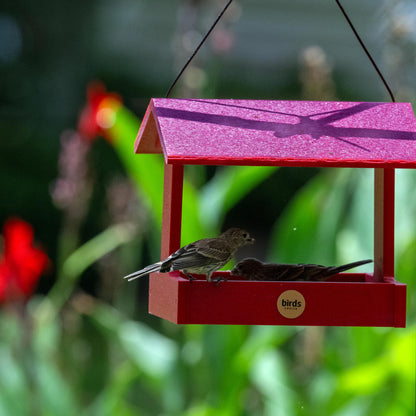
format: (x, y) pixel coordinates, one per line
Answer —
(281, 133)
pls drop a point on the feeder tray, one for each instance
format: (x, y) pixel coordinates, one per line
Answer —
(281, 133)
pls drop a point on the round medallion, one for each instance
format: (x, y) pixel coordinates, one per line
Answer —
(291, 304)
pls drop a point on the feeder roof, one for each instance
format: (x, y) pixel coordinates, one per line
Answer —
(280, 133)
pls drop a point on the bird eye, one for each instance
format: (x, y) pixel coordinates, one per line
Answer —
(245, 235)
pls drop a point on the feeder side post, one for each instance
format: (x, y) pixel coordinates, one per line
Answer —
(172, 209)
(383, 223)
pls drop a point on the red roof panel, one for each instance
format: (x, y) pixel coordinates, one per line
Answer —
(282, 133)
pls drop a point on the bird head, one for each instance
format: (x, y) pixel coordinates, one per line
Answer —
(246, 267)
(237, 237)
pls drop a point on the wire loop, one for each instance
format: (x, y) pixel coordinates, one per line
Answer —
(345, 16)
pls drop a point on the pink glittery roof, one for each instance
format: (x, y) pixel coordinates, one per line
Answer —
(282, 133)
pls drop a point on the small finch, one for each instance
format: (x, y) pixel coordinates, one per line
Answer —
(201, 257)
(253, 269)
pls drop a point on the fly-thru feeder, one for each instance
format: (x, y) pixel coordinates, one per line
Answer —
(281, 133)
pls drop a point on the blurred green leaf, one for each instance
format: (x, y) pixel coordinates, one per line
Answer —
(55, 393)
(405, 205)
(355, 235)
(365, 379)
(47, 333)
(152, 352)
(401, 354)
(270, 376)
(109, 400)
(397, 359)
(96, 248)
(357, 406)
(305, 232)
(203, 410)
(319, 392)
(192, 228)
(80, 260)
(229, 185)
(14, 389)
(261, 339)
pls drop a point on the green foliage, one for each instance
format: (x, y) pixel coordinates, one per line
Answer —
(229, 185)
(329, 221)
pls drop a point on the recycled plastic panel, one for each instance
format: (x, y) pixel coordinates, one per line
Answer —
(281, 133)
(356, 302)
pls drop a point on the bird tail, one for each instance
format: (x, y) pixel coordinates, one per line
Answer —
(339, 269)
(144, 272)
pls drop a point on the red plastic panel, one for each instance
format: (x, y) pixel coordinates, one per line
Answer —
(384, 185)
(333, 303)
(172, 209)
(283, 133)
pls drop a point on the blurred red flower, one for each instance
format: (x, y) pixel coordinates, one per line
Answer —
(21, 264)
(99, 113)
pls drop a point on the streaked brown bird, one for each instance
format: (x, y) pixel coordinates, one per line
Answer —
(253, 269)
(200, 257)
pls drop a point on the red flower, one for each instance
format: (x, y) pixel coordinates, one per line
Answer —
(100, 112)
(21, 264)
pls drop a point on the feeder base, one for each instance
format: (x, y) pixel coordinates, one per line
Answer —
(347, 299)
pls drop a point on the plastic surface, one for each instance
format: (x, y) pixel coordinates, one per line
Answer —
(347, 300)
(282, 133)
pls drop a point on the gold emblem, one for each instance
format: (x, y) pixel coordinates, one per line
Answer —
(291, 304)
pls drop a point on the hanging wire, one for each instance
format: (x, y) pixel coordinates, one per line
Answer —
(366, 51)
(198, 47)
(343, 12)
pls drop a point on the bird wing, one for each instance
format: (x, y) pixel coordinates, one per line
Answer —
(317, 272)
(199, 254)
(215, 249)
(305, 272)
(290, 271)
(192, 260)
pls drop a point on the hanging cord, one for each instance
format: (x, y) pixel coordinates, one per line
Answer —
(343, 12)
(198, 47)
(366, 51)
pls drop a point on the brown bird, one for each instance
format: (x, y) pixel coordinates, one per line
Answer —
(253, 269)
(200, 257)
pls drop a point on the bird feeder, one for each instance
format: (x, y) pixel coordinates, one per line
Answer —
(376, 135)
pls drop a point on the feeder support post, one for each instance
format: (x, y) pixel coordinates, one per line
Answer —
(383, 224)
(172, 209)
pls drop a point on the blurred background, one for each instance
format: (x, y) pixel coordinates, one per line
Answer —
(79, 210)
